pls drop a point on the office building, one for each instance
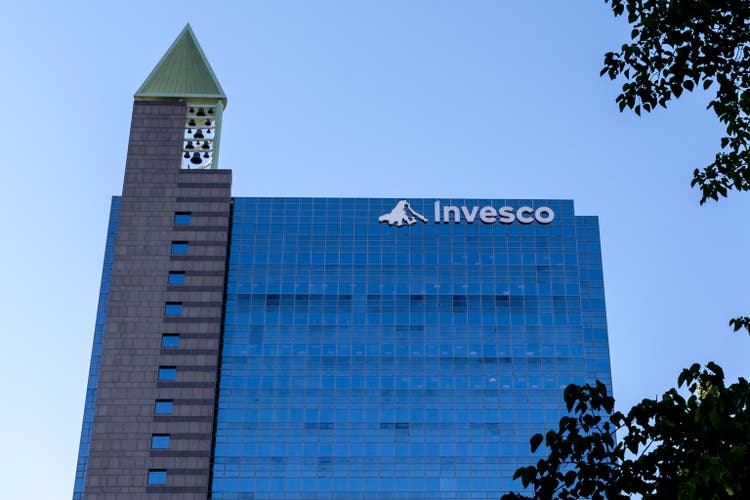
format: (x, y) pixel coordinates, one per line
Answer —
(322, 348)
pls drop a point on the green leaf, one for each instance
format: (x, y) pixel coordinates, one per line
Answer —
(536, 440)
(570, 478)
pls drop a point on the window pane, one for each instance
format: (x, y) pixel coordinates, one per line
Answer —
(176, 278)
(160, 441)
(170, 341)
(157, 476)
(179, 247)
(182, 218)
(167, 373)
(163, 407)
(173, 309)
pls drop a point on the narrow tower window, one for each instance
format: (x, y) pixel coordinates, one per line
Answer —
(173, 309)
(170, 341)
(180, 247)
(182, 218)
(157, 476)
(163, 407)
(167, 372)
(176, 278)
(160, 441)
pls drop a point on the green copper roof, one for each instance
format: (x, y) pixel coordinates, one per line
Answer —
(183, 72)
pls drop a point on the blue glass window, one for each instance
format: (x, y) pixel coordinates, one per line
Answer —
(163, 407)
(160, 441)
(180, 247)
(157, 476)
(173, 309)
(170, 341)
(101, 316)
(181, 218)
(176, 278)
(167, 372)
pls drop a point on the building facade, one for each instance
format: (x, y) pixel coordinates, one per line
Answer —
(322, 348)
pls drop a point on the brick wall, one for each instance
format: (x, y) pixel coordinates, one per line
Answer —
(154, 190)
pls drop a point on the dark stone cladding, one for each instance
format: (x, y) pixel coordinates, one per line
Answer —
(154, 189)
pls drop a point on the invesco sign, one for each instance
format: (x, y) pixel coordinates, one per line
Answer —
(490, 215)
(403, 215)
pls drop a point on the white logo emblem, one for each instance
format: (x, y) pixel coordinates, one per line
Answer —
(402, 214)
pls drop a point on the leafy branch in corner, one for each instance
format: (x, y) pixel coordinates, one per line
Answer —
(681, 446)
(693, 442)
(678, 45)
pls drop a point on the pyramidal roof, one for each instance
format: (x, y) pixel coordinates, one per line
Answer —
(183, 71)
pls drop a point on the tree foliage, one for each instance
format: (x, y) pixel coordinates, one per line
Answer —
(679, 45)
(693, 442)
(693, 445)
(741, 322)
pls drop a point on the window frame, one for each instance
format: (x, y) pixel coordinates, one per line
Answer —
(173, 309)
(167, 374)
(156, 477)
(179, 247)
(170, 336)
(179, 278)
(164, 444)
(169, 402)
(182, 218)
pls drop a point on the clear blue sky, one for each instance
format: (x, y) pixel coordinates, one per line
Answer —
(338, 98)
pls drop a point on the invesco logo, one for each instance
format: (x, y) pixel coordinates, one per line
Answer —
(490, 215)
(402, 214)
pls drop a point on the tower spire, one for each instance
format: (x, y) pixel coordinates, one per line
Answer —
(184, 74)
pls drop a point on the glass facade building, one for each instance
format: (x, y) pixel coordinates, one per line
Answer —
(96, 351)
(322, 348)
(366, 361)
